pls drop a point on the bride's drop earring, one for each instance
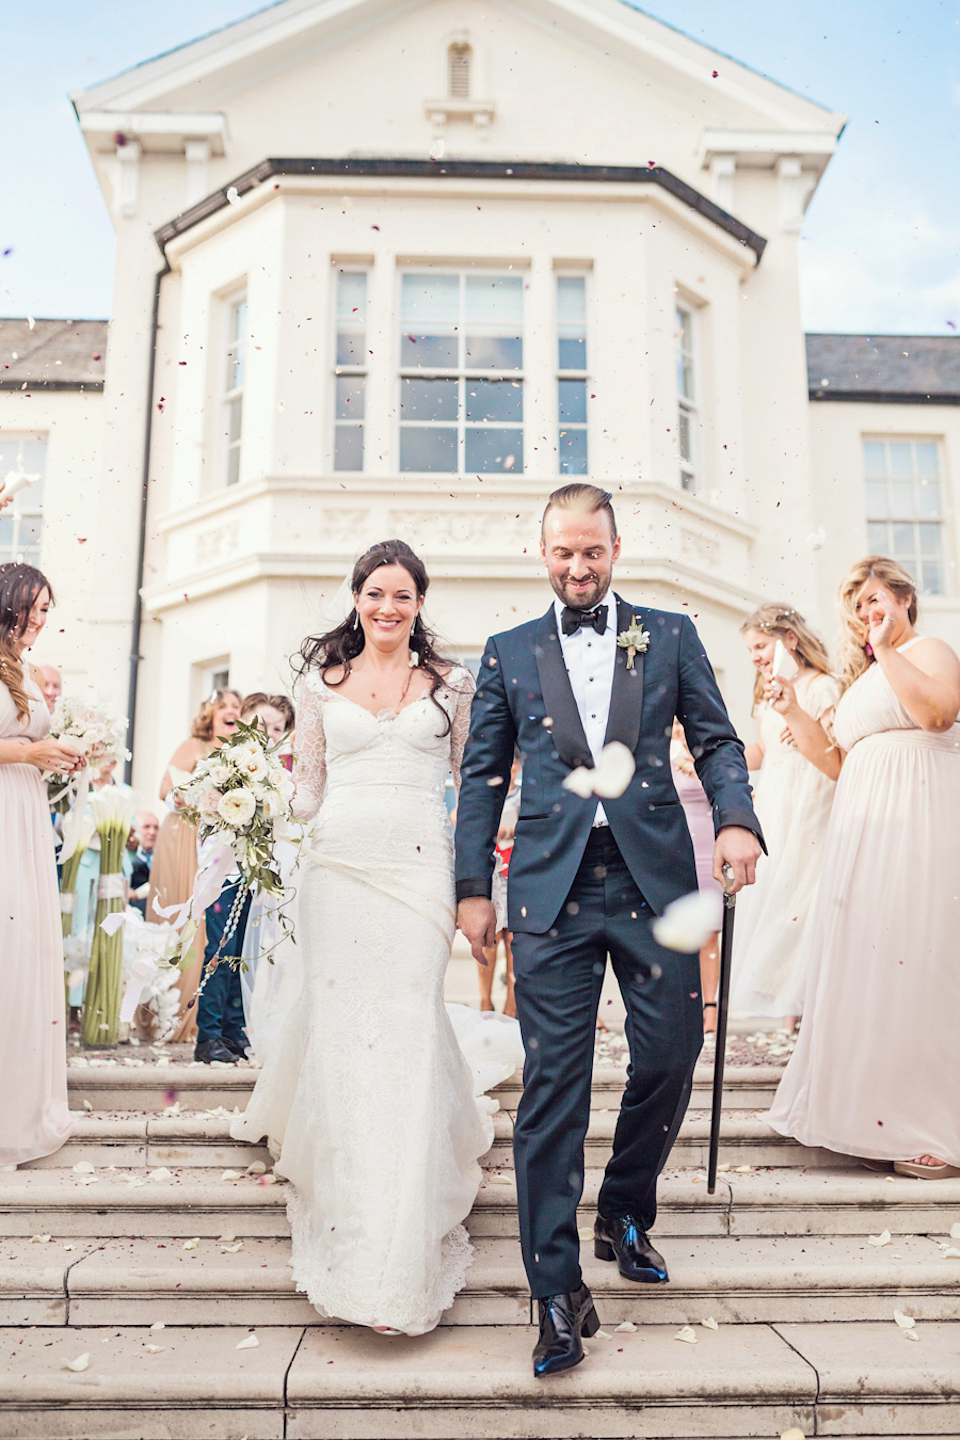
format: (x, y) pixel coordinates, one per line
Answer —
(356, 619)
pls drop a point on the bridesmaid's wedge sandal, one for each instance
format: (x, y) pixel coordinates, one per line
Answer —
(869, 1163)
(927, 1172)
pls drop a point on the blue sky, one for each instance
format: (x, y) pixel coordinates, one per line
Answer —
(880, 248)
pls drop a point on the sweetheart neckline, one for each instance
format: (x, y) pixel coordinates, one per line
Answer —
(382, 717)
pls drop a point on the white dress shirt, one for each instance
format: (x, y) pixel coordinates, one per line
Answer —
(590, 660)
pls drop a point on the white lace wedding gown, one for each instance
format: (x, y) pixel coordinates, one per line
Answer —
(366, 1097)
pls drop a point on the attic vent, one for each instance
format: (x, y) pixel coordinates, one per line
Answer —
(458, 71)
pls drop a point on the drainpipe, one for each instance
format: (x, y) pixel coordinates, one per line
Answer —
(142, 542)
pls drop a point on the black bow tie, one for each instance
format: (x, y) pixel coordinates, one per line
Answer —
(571, 620)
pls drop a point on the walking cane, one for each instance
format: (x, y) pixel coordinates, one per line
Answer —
(723, 996)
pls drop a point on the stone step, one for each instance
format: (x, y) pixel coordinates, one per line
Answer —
(153, 1087)
(475, 1383)
(195, 1201)
(736, 1281)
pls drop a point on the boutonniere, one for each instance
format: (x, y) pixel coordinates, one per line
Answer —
(634, 640)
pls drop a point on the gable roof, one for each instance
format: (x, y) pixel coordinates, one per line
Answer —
(52, 354)
(898, 369)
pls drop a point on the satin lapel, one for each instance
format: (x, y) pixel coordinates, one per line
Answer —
(567, 728)
(626, 697)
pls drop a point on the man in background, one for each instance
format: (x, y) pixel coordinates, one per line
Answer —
(52, 685)
(143, 838)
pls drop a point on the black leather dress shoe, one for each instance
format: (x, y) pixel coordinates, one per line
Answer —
(215, 1049)
(563, 1319)
(239, 1048)
(623, 1240)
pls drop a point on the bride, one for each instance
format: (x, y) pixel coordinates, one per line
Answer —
(366, 1097)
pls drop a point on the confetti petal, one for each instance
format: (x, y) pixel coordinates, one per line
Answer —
(906, 1322)
(257, 1168)
(950, 1252)
(39, 1239)
(83, 1167)
(585, 1232)
(81, 1363)
(156, 1349)
(163, 1175)
(910, 1335)
(627, 1328)
(882, 1239)
(688, 923)
(268, 1179)
(795, 1434)
(193, 1244)
(744, 1170)
(158, 1325)
(709, 1323)
(955, 1230)
(232, 1249)
(250, 1343)
(686, 1335)
(231, 1175)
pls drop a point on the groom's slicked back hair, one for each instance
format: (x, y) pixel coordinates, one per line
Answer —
(587, 499)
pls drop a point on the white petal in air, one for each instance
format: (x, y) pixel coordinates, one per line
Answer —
(610, 776)
(689, 922)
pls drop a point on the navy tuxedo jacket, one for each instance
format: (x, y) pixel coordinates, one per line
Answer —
(524, 699)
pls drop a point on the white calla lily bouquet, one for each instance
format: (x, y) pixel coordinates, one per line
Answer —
(239, 798)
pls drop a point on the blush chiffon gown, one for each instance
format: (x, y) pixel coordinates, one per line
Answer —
(34, 1115)
(876, 1071)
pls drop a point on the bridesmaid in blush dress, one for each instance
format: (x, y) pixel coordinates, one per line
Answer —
(34, 1116)
(876, 1071)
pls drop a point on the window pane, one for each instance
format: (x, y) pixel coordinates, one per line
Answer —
(429, 399)
(929, 537)
(494, 352)
(351, 349)
(431, 450)
(685, 436)
(6, 531)
(877, 539)
(928, 497)
(494, 399)
(350, 395)
(903, 542)
(34, 463)
(571, 300)
(238, 328)
(351, 297)
(573, 353)
(931, 577)
(234, 418)
(495, 300)
(572, 452)
(877, 497)
(429, 298)
(30, 528)
(233, 465)
(874, 460)
(901, 498)
(573, 401)
(234, 368)
(927, 468)
(348, 447)
(490, 451)
(900, 465)
(432, 352)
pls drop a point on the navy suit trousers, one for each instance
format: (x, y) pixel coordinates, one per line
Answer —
(558, 980)
(220, 1003)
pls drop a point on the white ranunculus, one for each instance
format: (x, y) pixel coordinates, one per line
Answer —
(241, 752)
(237, 807)
(254, 767)
(689, 922)
(218, 773)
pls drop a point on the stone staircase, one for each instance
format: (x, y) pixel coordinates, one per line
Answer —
(137, 1224)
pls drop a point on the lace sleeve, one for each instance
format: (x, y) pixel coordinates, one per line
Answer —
(462, 685)
(310, 766)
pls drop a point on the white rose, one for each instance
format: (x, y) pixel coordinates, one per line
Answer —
(218, 773)
(244, 750)
(273, 806)
(237, 807)
(285, 786)
(253, 767)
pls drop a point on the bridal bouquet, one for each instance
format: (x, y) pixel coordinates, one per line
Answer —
(91, 729)
(239, 799)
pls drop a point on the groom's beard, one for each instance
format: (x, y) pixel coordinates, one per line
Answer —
(584, 597)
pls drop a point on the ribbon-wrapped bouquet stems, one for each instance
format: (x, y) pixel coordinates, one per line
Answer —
(113, 811)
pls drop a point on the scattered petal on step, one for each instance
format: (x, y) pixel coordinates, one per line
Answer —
(889, 1179)
(687, 1335)
(89, 1180)
(156, 1349)
(268, 1179)
(906, 1322)
(164, 1060)
(585, 1232)
(39, 1239)
(910, 1335)
(87, 1105)
(83, 1167)
(586, 1349)
(882, 1239)
(257, 1168)
(158, 1325)
(744, 1170)
(721, 1168)
(499, 1180)
(68, 1247)
(950, 1252)
(232, 1249)
(794, 1434)
(231, 1175)
(955, 1230)
(627, 1328)
(81, 1363)
(709, 1323)
(163, 1175)
(193, 1244)
(250, 1343)
(602, 1334)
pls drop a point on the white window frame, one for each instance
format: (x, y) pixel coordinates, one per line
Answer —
(360, 372)
(24, 505)
(916, 518)
(463, 372)
(459, 50)
(688, 405)
(233, 350)
(563, 373)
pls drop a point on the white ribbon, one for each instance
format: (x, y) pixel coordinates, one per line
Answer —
(67, 899)
(140, 973)
(111, 887)
(206, 888)
(72, 826)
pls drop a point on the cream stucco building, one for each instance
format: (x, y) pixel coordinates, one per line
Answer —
(398, 269)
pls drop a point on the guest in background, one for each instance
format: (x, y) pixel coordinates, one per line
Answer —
(143, 839)
(799, 764)
(52, 685)
(278, 715)
(174, 865)
(696, 807)
(88, 873)
(34, 1115)
(876, 1071)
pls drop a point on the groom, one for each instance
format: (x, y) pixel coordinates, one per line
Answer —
(587, 879)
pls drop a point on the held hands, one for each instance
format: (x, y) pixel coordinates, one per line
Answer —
(740, 849)
(477, 919)
(53, 756)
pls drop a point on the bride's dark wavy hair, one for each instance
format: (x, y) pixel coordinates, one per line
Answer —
(344, 643)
